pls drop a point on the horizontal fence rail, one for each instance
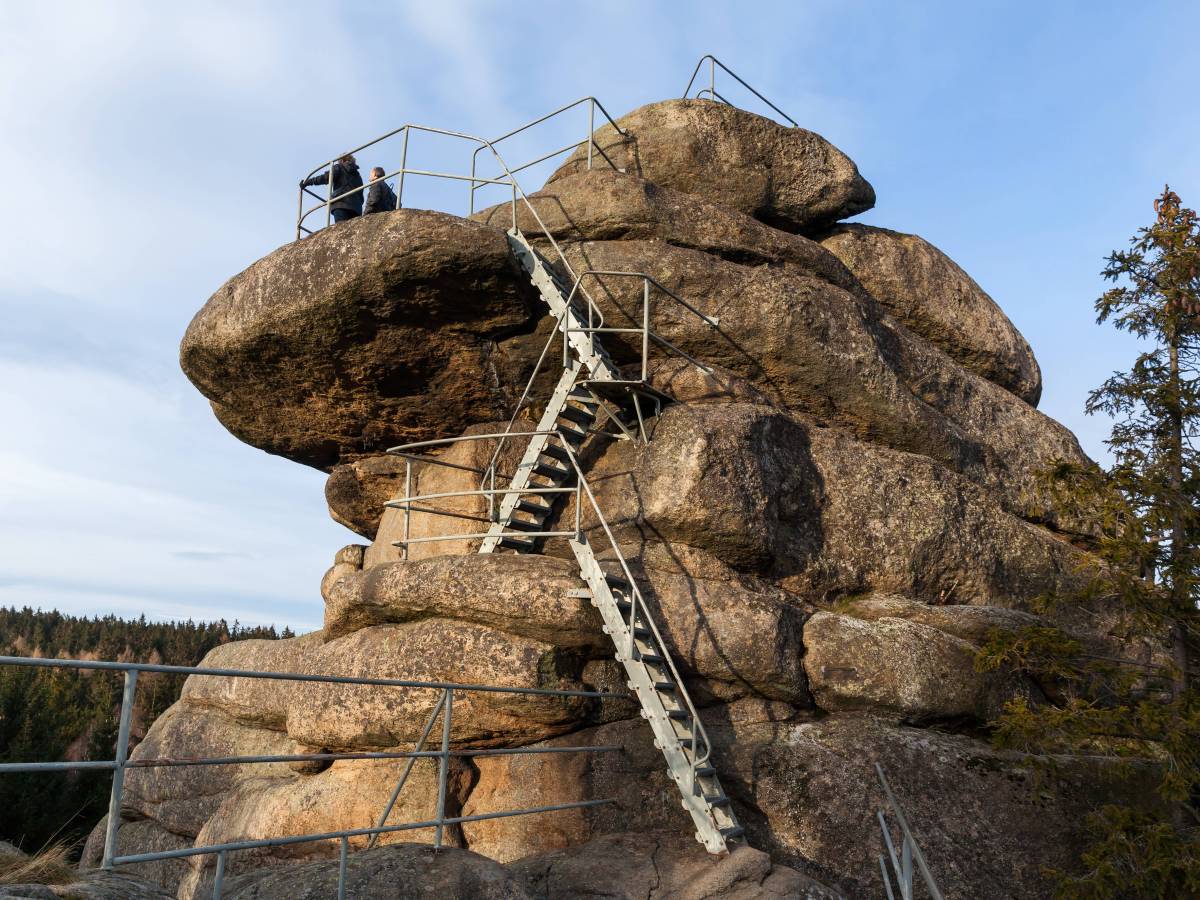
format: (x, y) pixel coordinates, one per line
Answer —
(443, 708)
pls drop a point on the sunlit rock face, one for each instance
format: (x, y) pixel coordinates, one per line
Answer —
(828, 522)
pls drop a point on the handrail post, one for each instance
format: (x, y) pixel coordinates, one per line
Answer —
(329, 199)
(645, 327)
(471, 203)
(344, 852)
(591, 130)
(514, 201)
(219, 878)
(407, 502)
(299, 211)
(403, 166)
(443, 767)
(712, 76)
(122, 757)
(578, 511)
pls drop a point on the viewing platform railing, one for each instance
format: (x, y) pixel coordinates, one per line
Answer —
(443, 707)
(711, 90)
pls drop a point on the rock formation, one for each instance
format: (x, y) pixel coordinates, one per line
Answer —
(827, 525)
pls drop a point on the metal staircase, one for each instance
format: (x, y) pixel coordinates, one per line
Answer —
(549, 462)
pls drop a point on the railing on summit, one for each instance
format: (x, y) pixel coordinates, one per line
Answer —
(506, 177)
(711, 90)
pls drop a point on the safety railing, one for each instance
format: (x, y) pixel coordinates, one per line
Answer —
(596, 326)
(902, 866)
(505, 177)
(711, 90)
(590, 139)
(701, 748)
(444, 707)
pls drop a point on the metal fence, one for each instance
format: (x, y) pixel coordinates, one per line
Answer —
(902, 866)
(711, 91)
(505, 176)
(443, 709)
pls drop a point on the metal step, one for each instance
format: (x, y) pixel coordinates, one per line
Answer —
(676, 729)
(555, 473)
(577, 415)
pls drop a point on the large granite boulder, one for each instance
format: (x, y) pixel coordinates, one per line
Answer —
(603, 205)
(832, 354)
(822, 514)
(376, 332)
(349, 716)
(356, 491)
(928, 292)
(900, 667)
(787, 177)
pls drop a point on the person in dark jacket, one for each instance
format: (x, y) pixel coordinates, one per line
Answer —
(380, 196)
(345, 178)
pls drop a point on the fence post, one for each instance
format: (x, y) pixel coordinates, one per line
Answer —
(591, 130)
(712, 77)
(219, 879)
(329, 199)
(118, 785)
(645, 327)
(342, 859)
(403, 166)
(407, 501)
(443, 766)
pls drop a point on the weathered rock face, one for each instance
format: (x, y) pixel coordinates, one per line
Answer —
(356, 491)
(662, 865)
(376, 332)
(787, 177)
(826, 523)
(819, 349)
(924, 289)
(403, 872)
(901, 667)
(824, 514)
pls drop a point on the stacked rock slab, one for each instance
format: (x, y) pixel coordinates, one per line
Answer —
(827, 524)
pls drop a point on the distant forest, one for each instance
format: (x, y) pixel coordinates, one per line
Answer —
(56, 714)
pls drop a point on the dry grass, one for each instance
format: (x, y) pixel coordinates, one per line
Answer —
(50, 865)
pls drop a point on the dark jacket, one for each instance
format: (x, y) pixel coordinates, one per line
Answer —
(345, 178)
(380, 198)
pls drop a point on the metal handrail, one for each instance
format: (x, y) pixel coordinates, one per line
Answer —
(444, 707)
(591, 140)
(595, 313)
(711, 90)
(637, 601)
(910, 851)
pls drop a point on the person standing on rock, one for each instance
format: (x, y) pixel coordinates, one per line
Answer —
(345, 178)
(380, 196)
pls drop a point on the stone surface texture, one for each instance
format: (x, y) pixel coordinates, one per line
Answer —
(827, 521)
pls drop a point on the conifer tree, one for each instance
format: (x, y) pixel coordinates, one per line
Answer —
(1143, 708)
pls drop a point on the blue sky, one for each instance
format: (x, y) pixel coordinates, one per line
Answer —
(152, 152)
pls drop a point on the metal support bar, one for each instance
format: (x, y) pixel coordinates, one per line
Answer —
(219, 878)
(437, 707)
(122, 757)
(342, 860)
(443, 767)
